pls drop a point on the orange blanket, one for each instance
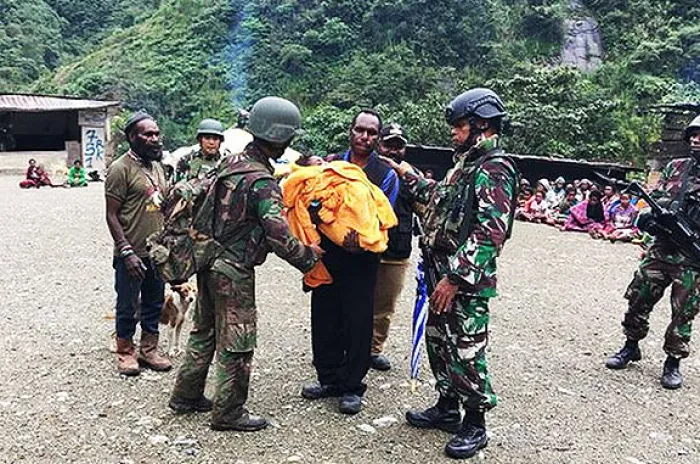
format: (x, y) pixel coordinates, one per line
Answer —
(349, 201)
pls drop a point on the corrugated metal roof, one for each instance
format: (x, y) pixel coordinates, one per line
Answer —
(39, 103)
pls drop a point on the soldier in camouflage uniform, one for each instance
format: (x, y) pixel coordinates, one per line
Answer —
(197, 163)
(248, 223)
(468, 216)
(666, 265)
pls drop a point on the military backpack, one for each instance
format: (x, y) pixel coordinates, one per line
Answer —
(188, 243)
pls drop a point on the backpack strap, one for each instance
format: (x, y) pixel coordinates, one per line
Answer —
(467, 205)
(205, 223)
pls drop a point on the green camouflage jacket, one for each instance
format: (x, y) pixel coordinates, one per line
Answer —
(667, 194)
(195, 165)
(489, 206)
(248, 218)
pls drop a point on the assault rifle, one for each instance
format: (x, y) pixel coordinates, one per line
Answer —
(672, 225)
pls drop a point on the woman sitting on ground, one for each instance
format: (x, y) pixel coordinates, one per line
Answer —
(587, 216)
(622, 217)
(36, 176)
(562, 210)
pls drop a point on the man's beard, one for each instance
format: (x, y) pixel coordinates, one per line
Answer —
(147, 152)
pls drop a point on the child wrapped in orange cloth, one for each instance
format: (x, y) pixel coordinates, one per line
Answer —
(348, 201)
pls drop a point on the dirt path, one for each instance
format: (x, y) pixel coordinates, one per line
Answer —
(553, 325)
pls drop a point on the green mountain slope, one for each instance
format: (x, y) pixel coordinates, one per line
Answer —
(186, 59)
(165, 64)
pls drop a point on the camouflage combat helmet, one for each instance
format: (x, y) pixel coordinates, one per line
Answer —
(692, 127)
(210, 127)
(275, 120)
(480, 102)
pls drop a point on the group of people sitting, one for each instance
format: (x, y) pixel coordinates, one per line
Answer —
(580, 206)
(37, 177)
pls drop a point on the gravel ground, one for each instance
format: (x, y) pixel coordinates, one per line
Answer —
(555, 322)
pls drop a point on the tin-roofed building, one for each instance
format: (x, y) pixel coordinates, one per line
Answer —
(54, 130)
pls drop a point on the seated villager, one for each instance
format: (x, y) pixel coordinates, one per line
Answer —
(537, 209)
(35, 177)
(622, 220)
(557, 193)
(561, 211)
(524, 196)
(588, 215)
(522, 189)
(610, 198)
(583, 189)
(76, 175)
(543, 186)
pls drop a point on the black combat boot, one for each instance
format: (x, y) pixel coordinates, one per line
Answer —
(629, 352)
(671, 377)
(470, 439)
(444, 415)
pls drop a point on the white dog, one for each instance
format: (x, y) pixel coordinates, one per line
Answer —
(178, 302)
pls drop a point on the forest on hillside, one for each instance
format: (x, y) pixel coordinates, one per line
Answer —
(188, 59)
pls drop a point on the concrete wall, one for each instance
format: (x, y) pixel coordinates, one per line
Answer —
(16, 163)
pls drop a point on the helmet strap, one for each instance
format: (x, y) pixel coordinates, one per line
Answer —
(695, 153)
(477, 127)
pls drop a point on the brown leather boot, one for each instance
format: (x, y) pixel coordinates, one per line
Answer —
(149, 356)
(126, 357)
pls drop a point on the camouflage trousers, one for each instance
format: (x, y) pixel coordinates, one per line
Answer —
(647, 288)
(224, 323)
(456, 344)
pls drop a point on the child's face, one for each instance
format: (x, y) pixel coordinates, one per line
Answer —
(316, 161)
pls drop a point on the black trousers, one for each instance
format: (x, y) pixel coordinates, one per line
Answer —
(342, 315)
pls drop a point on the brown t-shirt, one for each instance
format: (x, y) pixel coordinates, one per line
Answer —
(141, 191)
